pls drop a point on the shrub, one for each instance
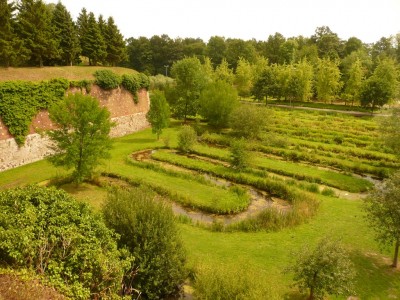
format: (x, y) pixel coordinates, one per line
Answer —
(187, 138)
(107, 79)
(148, 231)
(131, 83)
(46, 230)
(248, 120)
(240, 156)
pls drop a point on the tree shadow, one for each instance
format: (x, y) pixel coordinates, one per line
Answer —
(375, 278)
(137, 141)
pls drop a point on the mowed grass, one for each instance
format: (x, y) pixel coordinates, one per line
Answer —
(47, 73)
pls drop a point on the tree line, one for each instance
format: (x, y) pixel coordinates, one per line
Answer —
(33, 33)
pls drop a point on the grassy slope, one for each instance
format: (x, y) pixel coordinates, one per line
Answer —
(268, 253)
(46, 73)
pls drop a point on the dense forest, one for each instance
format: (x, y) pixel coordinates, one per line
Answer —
(322, 66)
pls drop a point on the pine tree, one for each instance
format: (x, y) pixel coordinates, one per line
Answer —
(34, 27)
(67, 33)
(116, 48)
(11, 50)
(83, 29)
(96, 48)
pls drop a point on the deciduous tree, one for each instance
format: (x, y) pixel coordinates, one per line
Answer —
(217, 101)
(82, 138)
(159, 113)
(326, 269)
(190, 80)
(327, 81)
(383, 213)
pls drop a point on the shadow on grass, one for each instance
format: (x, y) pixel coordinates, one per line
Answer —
(375, 278)
(137, 141)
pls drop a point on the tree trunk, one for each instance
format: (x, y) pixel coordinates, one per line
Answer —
(266, 100)
(311, 297)
(396, 253)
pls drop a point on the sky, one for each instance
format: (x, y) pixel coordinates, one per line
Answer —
(368, 20)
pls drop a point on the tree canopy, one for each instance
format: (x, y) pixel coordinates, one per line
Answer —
(82, 138)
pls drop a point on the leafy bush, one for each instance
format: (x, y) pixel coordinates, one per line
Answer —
(187, 138)
(82, 84)
(148, 231)
(240, 156)
(132, 84)
(249, 120)
(47, 230)
(107, 79)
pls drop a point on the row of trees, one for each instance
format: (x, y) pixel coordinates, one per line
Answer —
(152, 55)
(195, 89)
(35, 34)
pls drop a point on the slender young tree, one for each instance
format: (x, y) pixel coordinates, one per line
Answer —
(67, 33)
(190, 80)
(327, 81)
(326, 269)
(82, 139)
(244, 78)
(159, 112)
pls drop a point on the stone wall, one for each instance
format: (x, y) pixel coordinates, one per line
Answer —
(128, 116)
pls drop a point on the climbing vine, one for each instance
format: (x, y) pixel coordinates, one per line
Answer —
(20, 101)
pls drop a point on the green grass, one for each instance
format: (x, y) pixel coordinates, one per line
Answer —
(297, 171)
(267, 253)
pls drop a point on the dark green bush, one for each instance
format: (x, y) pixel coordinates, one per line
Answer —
(131, 83)
(107, 79)
(148, 231)
(46, 230)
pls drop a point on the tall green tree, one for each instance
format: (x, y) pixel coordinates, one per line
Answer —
(328, 43)
(326, 269)
(116, 48)
(236, 48)
(67, 33)
(273, 48)
(354, 83)
(383, 213)
(83, 32)
(190, 81)
(96, 48)
(224, 72)
(12, 51)
(215, 50)
(266, 84)
(244, 78)
(381, 87)
(159, 112)
(82, 140)
(301, 81)
(140, 55)
(217, 101)
(327, 82)
(34, 27)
